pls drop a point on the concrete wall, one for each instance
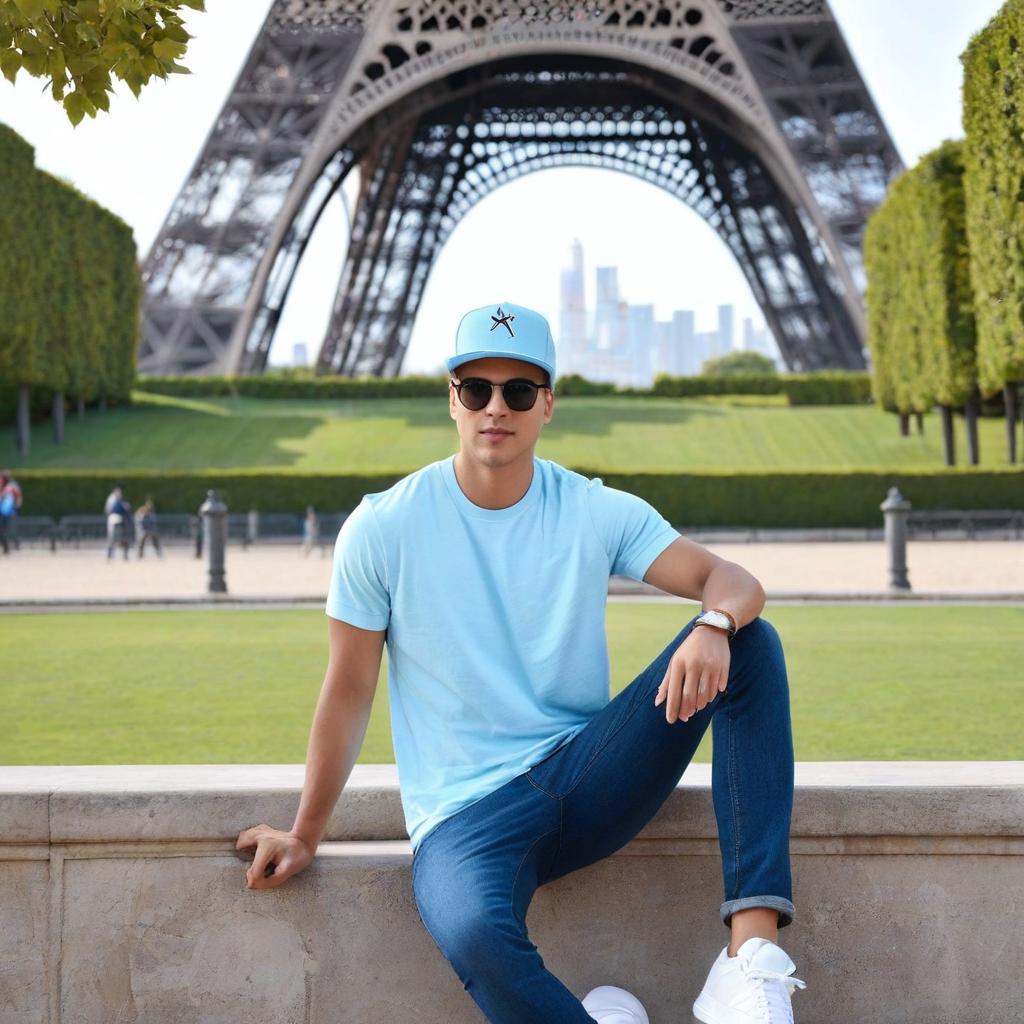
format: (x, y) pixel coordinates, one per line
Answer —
(122, 900)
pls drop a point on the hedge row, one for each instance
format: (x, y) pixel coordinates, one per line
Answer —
(833, 387)
(69, 284)
(768, 499)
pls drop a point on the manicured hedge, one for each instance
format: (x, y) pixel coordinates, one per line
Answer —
(827, 387)
(824, 387)
(770, 499)
(70, 288)
(315, 388)
(830, 387)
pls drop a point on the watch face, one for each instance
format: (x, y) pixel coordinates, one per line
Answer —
(716, 619)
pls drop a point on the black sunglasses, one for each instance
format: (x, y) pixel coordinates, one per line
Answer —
(520, 394)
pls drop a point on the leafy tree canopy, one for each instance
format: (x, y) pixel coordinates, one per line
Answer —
(77, 46)
(739, 362)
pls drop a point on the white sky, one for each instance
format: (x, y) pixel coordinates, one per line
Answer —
(136, 158)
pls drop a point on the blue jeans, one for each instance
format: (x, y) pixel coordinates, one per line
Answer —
(475, 873)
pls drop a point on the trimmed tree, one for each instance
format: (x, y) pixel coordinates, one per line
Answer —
(993, 174)
(920, 316)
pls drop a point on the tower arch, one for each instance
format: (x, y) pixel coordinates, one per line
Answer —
(441, 103)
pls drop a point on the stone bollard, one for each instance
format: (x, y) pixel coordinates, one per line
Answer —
(896, 508)
(215, 521)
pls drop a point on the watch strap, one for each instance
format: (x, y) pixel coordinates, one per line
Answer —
(730, 629)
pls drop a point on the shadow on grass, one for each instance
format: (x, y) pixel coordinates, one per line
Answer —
(185, 434)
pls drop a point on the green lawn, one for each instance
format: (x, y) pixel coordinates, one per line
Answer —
(739, 432)
(901, 683)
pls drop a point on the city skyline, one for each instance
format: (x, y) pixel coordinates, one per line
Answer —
(623, 342)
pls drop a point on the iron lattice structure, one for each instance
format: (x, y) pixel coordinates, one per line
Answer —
(750, 111)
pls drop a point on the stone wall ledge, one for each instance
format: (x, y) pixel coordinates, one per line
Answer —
(123, 901)
(842, 803)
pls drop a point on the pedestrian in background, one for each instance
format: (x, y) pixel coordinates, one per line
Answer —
(119, 522)
(196, 523)
(145, 527)
(10, 502)
(310, 531)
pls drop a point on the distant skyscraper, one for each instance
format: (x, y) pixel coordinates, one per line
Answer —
(641, 345)
(683, 356)
(759, 339)
(606, 312)
(705, 347)
(725, 331)
(300, 354)
(662, 347)
(572, 338)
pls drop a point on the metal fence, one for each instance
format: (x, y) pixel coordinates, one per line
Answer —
(244, 528)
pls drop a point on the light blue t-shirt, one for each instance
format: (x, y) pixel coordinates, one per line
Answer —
(495, 620)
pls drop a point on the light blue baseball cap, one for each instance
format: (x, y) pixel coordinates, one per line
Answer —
(508, 330)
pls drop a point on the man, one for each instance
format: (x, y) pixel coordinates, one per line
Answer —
(487, 575)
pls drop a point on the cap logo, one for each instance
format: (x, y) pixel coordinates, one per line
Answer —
(502, 320)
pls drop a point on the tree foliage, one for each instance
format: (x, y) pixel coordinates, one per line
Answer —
(739, 362)
(70, 288)
(79, 45)
(921, 330)
(994, 191)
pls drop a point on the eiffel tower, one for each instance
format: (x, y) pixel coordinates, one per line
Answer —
(750, 111)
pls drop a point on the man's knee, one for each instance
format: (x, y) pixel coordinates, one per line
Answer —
(760, 635)
(471, 934)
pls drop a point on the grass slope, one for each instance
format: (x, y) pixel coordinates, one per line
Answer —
(735, 432)
(903, 683)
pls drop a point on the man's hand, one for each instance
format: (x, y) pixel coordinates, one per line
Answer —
(279, 855)
(697, 672)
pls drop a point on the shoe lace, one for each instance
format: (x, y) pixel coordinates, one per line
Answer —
(774, 993)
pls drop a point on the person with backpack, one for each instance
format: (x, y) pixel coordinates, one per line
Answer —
(10, 502)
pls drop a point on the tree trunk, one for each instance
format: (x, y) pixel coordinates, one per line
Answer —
(58, 417)
(971, 410)
(101, 404)
(904, 424)
(920, 421)
(81, 407)
(948, 441)
(24, 428)
(1010, 400)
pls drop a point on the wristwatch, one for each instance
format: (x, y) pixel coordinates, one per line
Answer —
(719, 618)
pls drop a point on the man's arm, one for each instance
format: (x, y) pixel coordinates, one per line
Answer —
(339, 724)
(699, 667)
(687, 569)
(336, 737)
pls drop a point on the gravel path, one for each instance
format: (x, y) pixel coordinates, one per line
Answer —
(986, 567)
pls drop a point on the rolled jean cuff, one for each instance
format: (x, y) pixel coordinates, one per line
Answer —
(785, 908)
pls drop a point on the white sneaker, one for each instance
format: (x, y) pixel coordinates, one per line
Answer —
(611, 1005)
(753, 987)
